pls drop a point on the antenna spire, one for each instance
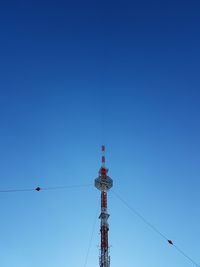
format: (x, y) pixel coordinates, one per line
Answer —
(103, 160)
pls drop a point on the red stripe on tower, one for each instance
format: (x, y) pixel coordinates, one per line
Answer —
(103, 200)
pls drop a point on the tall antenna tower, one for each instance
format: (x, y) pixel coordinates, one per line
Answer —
(104, 183)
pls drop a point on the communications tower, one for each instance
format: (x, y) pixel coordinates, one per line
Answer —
(103, 182)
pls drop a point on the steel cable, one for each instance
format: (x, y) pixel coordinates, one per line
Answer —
(154, 228)
(91, 237)
(38, 188)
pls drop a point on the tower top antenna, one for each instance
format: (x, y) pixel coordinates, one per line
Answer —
(103, 182)
(103, 161)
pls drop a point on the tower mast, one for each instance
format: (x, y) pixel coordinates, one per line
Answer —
(104, 183)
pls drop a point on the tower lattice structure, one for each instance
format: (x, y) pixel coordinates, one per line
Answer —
(103, 182)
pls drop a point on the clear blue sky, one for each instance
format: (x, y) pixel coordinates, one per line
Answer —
(74, 75)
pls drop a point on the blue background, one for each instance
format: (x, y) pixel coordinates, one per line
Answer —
(74, 75)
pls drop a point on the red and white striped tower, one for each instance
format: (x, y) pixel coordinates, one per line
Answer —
(104, 183)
